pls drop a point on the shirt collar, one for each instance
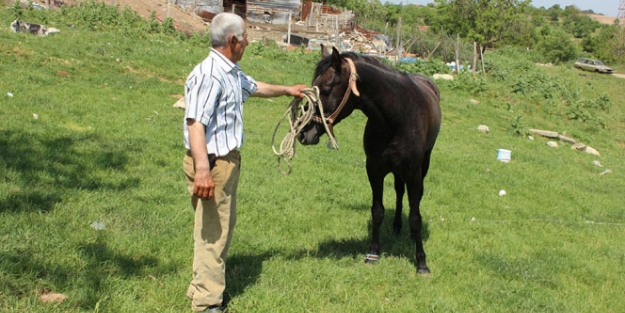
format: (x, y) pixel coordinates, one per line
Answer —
(222, 61)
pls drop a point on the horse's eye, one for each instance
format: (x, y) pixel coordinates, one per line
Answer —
(326, 89)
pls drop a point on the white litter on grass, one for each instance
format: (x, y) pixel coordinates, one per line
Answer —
(605, 172)
(504, 155)
(10, 95)
(502, 193)
(35, 116)
(483, 128)
(597, 163)
(97, 225)
(552, 144)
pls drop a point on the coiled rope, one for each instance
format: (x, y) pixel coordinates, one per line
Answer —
(300, 113)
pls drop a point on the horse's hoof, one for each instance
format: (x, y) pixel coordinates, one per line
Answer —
(372, 259)
(423, 271)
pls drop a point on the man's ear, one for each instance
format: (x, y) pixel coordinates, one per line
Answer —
(232, 40)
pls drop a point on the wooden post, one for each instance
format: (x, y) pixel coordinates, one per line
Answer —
(444, 46)
(312, 11)
(482, 58)
(288, 34)
(474, 65)
(336, 32)
(397, 42)
(457, 50)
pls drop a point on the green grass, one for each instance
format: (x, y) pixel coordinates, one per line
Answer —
(107, 147)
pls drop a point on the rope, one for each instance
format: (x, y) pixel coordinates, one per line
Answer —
(300, 112)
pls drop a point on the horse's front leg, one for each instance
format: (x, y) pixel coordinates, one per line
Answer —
(415, 193)
(376, 180)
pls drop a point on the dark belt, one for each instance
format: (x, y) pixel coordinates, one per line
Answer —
(212, 158)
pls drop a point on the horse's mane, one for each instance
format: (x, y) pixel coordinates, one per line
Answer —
(325, 63)
(389, 71)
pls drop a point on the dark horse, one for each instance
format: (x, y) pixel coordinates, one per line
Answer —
(404, 119)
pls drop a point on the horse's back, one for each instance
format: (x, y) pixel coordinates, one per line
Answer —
(420, 79)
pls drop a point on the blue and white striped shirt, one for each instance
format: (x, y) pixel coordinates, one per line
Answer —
(214, 94)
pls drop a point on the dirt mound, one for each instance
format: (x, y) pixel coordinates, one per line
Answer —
(186, 22)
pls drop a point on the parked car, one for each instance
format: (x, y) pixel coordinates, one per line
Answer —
(592, 65)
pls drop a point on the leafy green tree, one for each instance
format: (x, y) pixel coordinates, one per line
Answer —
(482, 21)
(605, 44)
(421, 15)
(557, 46)
(578, 24)
(554, 12)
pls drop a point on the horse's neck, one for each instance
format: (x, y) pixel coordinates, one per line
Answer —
(373, 91)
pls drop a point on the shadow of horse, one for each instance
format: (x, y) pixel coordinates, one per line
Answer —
(244, 270)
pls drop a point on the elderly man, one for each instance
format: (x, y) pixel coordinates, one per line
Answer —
(213, 132)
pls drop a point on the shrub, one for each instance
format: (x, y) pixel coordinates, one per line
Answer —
(557, 46)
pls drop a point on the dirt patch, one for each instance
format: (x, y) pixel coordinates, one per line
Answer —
(619, 75)
(186, 21)
(602, 18)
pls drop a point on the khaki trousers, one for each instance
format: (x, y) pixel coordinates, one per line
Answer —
(212, 232)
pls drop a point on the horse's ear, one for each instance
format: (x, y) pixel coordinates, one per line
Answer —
(336, 59)
(324, 51)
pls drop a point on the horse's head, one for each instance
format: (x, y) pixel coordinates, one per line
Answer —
(335, 76)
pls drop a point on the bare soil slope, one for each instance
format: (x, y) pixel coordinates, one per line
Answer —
(602, 18)
(186, 22)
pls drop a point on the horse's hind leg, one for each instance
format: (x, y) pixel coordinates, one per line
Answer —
(376, 180)
(415, 193)
(400, 188)
(425, 166)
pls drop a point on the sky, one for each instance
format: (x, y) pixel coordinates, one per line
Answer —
(605, 7)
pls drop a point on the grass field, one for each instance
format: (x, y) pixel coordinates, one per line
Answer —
(88, 134)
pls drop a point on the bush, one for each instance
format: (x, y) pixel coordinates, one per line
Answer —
(429, 67)
(557, 46)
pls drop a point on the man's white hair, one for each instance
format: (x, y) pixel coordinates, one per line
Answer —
(225, 25)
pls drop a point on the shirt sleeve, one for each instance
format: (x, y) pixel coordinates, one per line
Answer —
(202, 96)
(248, 85)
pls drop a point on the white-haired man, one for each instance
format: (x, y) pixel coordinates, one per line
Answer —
(213, 131)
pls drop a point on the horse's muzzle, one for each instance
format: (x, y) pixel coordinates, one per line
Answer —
(310, 137)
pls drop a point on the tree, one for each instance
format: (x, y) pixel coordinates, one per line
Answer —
(482, 21)
(554, 12)
(605, 44)
(556, 45)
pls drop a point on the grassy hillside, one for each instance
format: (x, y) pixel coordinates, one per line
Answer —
(93, 203)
